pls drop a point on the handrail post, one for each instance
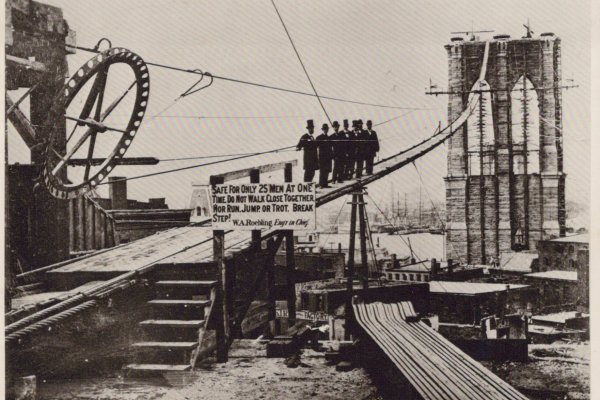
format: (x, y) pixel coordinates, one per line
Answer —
(222, 297)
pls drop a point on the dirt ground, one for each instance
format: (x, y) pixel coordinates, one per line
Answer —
(554, 371)
(247, 375)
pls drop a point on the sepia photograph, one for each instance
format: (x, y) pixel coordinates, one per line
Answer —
(282, 199)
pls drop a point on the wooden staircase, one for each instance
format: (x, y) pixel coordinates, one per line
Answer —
(174, 336)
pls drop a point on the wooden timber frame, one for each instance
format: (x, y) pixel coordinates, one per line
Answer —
(228, 327)
(357, 206)
(35, 43)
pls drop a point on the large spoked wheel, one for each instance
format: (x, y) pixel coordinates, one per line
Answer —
(92, 126)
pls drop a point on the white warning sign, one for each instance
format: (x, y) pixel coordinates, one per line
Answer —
(264, 205)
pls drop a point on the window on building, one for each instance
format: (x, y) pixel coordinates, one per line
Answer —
(426, 278)
(412, 277)
(419, 277)
(404, 277)
(397, 277)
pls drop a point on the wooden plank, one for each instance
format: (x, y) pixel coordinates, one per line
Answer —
(113, 238)
(243, 173)
(101, 230)
(174, 323)
(158, 367)
(98, 226)
(29, 64)
(186, 302)
(90, 233)
(222, 311)
(80, 224)
(167, 345)
(290, 261)
(80, 162)
(21, 124)
(72, 237)
(201, 284)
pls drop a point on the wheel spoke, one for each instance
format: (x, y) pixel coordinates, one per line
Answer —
(95, 125)
(115, 103)
(86, 175)
(97, 88)
(76, 147)
(104, 76)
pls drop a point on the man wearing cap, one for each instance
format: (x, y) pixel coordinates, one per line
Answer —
(339, 153)
(351, 151)
(325, 146)
(308, 144)
(372, 147)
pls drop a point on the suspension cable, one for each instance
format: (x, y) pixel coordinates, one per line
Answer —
(196, 166)
(301, 63)
(265, 86)
(434, 207)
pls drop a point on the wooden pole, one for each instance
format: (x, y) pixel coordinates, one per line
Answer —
(290, 262)
(222, 311)
(72, 221)
(364, 271)
(272, 311)
(350, 278)
(81, 223)
(90, 225)
(255, 178)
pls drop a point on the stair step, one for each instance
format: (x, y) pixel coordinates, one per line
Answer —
(167, 345)
(182, 283)
(173, 323)
(179, 302)
(158, 367)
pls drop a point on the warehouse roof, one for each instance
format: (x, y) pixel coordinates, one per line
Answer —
(555, 275)
(580, 238)
(469, 288)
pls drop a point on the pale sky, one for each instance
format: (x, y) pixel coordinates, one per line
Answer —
(378, 52)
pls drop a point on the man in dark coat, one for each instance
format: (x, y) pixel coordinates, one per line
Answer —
(325, 146)
(351, 150)
(308, 144)
(361, 148)
(372, 148)
(345, 139)
(339, 153)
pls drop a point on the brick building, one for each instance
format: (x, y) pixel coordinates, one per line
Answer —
(468, 302)
(562, 254)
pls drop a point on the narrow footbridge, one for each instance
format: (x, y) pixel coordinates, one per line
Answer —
(88, 279)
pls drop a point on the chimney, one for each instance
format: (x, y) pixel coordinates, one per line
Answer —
(117, 191)
(339, 248)
(450, 266)
(157, 203)
(435, 269)
(394, 260)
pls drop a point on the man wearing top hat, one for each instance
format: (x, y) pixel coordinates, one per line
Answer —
(372, 147)
(325, 147)
(339, 153)
(351, 150)
(308, 144)
(345, 138)
(361, 147)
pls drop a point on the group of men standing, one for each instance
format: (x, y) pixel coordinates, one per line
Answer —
(345, 152)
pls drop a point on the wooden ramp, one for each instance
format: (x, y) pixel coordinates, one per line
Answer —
(434, 367)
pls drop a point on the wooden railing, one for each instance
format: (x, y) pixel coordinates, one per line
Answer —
(90, 226)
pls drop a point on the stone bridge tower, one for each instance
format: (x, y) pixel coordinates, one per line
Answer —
(505, 188)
